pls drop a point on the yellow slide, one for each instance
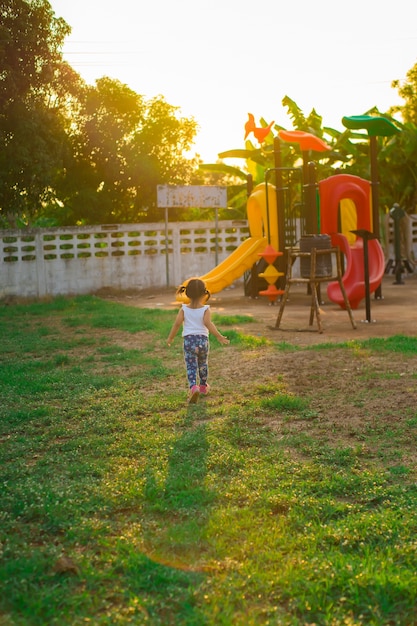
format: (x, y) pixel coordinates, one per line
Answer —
(262, 217)
(235, 265)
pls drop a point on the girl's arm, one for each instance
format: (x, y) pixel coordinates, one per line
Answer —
(176, 326)
(212, 328)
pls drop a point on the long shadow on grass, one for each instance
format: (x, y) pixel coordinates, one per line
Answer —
(176, 511)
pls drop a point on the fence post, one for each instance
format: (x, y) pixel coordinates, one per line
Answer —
(40, 265)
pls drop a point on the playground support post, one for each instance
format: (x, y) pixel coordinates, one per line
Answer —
(367, 288)
(376, 126)
(373, 148)
(366, 235)
(249, 185)
(311, 208)
(281, 260)
(374, 185)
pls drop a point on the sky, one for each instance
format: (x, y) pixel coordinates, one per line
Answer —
(218, 60)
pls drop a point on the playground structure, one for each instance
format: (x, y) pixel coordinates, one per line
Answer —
(342, 206)
(345, 207)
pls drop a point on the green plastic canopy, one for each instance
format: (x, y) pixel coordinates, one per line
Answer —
(376, 126)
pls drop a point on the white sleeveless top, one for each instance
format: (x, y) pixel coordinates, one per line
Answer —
(193, 321)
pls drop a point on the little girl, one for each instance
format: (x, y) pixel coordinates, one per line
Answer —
(196, 320)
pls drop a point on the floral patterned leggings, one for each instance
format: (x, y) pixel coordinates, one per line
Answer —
(196, 349)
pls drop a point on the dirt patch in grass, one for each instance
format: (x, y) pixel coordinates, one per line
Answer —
(395, 313)
(346, 388)
(353, 396)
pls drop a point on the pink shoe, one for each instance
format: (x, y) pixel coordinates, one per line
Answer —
(204, 389)
(194, 394)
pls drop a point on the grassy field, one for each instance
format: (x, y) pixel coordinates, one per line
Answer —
(272, 502)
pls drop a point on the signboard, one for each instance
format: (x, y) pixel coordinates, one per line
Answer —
(187, 196)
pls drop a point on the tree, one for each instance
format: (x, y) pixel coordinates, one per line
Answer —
(407, 91)
(402, 151)
(74, 153)
(94, 184)
(158, 150)
(31, 121)
(122, 147)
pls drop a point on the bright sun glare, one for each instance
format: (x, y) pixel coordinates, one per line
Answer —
(218, 61)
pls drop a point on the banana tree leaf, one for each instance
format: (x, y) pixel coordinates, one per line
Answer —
(257, 156)
(239, 153)
(222, 168)
(332, 132)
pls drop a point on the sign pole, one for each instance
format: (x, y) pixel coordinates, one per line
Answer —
(166, 247)
(217, 236)
(183, 196)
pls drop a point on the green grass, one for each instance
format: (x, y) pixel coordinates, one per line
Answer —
(122, 505)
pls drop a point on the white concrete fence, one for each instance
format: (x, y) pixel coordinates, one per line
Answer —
(77, 260)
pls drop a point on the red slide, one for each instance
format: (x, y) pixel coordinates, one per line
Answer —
(353, 278)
